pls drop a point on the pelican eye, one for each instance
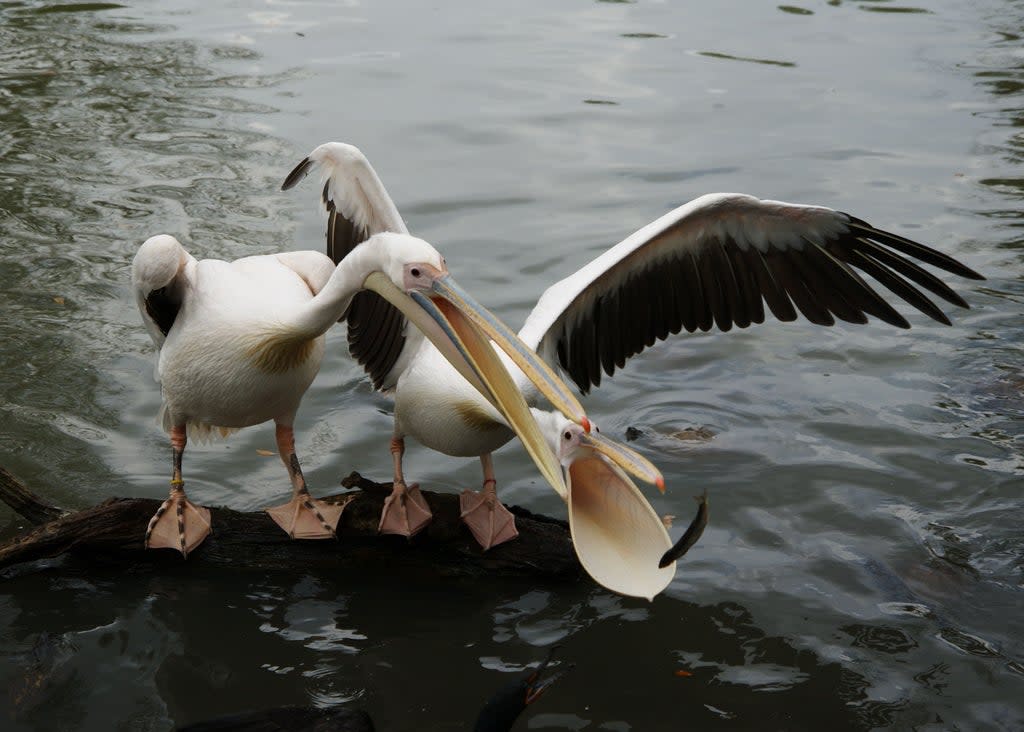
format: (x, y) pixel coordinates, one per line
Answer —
(415, 272)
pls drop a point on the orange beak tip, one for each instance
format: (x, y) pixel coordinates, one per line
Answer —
(585, 424)
(660, 482)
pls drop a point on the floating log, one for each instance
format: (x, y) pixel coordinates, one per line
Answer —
(113, 531)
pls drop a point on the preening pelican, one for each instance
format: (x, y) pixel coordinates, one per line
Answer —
(240, 342)
(712, 262)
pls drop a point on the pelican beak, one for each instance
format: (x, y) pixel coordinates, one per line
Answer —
(543, 376)
(618, 537)
(449, 319)
(626, 458)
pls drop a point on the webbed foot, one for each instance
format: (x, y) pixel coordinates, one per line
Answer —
(488, 519)
(178, 524)
(406, 512)
(305, 517)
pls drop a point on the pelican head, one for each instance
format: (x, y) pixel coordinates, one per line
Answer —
(409, 262)
(618, 537)
(158, 262)
(574, 442)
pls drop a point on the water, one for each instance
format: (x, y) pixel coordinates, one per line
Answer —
(863, 564)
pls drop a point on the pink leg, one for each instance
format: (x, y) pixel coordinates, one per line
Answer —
(405, 512)
(187, 525)
(490, 522)
(303, 517)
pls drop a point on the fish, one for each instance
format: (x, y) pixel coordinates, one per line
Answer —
(693, 532)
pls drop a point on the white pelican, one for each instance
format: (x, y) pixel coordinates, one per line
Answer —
(240, 342)
(713, 261)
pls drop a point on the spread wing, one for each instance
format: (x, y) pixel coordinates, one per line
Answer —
(716, 261)
(358, 206)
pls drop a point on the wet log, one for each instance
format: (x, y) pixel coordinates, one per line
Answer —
(112, 532)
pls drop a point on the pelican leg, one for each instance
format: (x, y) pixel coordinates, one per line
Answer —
(406, 512)
(184, 527)
(489, 520)
(303, 517)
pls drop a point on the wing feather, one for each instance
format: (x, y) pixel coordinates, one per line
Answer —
(747, 297)
(695, 303)
(610, 314)
(790, 274)
(913, 272)
(774, 295)
(900, 287)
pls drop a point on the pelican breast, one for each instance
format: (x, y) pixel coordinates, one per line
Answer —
(437, 407)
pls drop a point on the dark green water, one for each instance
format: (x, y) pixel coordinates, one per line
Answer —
(864, 565)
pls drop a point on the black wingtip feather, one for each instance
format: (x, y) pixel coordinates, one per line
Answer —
(916, 250)
(852, 291)
(299, 172)
(899, 287)
(913, 272)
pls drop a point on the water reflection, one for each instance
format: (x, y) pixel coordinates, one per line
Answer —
(188, 649)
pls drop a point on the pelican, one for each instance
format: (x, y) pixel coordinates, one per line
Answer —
(240, 342)
(715, 261)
